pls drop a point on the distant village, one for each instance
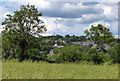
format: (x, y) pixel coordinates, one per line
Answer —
(80, 43)
(57, 41)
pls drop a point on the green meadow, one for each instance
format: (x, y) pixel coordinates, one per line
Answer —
(42, 70)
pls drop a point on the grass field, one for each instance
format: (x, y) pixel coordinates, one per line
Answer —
(41, 70)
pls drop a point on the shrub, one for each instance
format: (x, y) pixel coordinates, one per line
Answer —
(54, 58)
(114, 53)
(103, 56)
(34, 54)
(86, 56)
(70, 54)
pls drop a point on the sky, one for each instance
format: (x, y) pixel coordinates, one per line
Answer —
(65, 17)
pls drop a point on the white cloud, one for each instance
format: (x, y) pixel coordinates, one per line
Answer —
(40, 3)
(46, 34)
(1, 28)
(67, 18)
(110, 10)
(90, 18)
(117, 36)
(4, 11)
(53, 26)
(106, 24)
(113, 26)
(72, 7)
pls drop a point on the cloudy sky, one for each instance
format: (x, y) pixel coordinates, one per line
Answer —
(68, 17)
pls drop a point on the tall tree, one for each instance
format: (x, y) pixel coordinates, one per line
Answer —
(22, 26)
(100, 35)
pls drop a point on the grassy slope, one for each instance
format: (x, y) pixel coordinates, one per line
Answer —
(28, 70)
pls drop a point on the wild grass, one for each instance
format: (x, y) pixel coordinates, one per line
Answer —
(0, 70)
(42, 70)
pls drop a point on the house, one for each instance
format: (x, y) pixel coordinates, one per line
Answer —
(94, 45)
(51, 51)
(58, 46)
(83, 43)
(106, 46)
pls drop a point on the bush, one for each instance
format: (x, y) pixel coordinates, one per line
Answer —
(99, 58)
(54, 58)
(73, 54)
(70, 54)
(103, 56)
(114, 53)
(34, 54)
(86, 56)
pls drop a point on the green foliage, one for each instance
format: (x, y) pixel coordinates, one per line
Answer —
(113, 44)
(9, 49)
(77, 54)
(114, 53)
(54, 58)
(92, 51)
(34, 54)
(46, 48)
(70, 54)
(99, 58)
(86, 56)
(74, 38)
(20, 30)
(100, 35)
(103, 56)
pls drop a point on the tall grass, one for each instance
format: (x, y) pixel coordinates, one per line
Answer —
(42, 70)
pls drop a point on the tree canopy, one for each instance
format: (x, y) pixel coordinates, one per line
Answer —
(23, 26)
(100, 35)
